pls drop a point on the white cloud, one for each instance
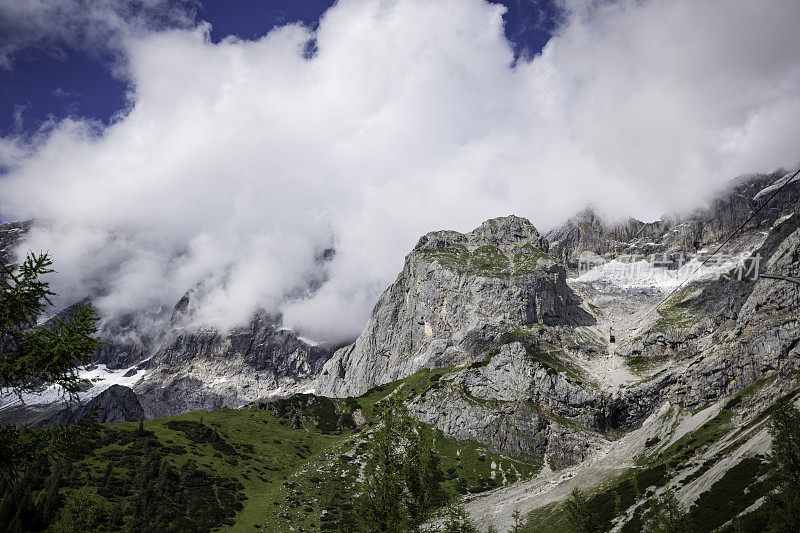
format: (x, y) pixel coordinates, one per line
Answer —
(240, 162)
(97, 27)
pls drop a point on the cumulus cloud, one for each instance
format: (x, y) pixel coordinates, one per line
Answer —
(97, 27)
(240, 162)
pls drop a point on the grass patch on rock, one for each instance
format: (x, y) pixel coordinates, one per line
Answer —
(489, 260)
(293, 462)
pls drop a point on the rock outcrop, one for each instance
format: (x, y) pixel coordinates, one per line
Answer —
(456, 298)
(204, 368)
(680, 234)
(11, 235)
(588, 232)
(714, 338)
(759, 336)
(187, 367)
(517, 402)
(115, 404)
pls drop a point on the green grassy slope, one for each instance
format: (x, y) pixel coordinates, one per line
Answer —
(294, 462)
(489, 260)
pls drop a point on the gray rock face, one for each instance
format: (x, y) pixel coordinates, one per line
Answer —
(713, 338)
(733, 206)
(188, 369)
(457, 295)
(732, 334)
(514, 404)
(128, 340)
(587, 231)
(205, 369)
(763, 338)
(674, 234)
(115, 404)
(11, 235)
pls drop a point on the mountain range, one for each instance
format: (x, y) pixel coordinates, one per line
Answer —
(514, 325)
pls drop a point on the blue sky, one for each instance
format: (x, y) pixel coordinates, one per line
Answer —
(60, 80)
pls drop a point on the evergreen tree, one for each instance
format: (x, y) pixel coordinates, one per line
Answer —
(519, 522)
(380, 506)
(458, 521)
(580, 515)
(23, 448)
(422, 474)
(668, 516)
(81, 513)
(785, 460)
(17, 505)
(403, 479)
(48, 500)
(32, 354)
(108, 479)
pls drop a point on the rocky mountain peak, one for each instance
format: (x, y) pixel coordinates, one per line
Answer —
(508, 231)
(503, 232)
(115, 404)
(678, 235)
(588, 231)
(457, 296)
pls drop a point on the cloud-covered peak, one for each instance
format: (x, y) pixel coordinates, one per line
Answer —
(239, 162)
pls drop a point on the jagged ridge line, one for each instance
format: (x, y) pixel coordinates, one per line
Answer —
(731, 236)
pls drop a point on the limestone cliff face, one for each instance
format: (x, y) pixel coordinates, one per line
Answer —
(716, 338)
(515, 403)
(689, 232)
(115, 404)
(762, 337)
(732, 207)
(205, 368)
(587, 231)
(457, 295)
(11, 235)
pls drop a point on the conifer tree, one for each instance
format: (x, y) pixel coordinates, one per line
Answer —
(457, 520)
(519, 522)
(379, 505)
(668, 516)
(402, 484)
(580, 515)
(785, 461)
(81, 513)
(48, 499)
(32, 354)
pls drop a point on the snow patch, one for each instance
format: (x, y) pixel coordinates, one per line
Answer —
(781, 220)
(309, 341)
(775, 186)
(100, 376)
(641, 275)
(217, 381)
